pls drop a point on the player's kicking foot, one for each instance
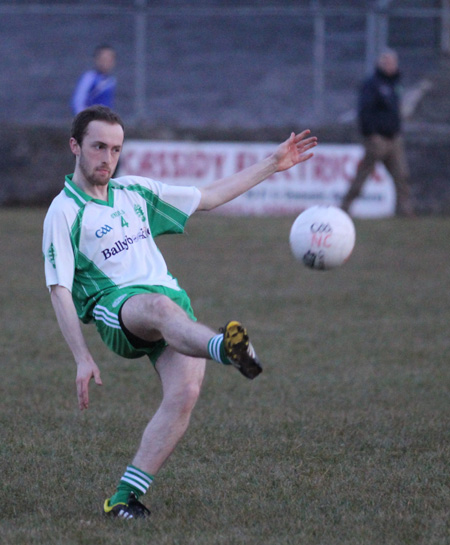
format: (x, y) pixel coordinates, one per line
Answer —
(134, 509)
(240, 351)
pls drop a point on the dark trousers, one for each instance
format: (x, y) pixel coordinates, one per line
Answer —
(391, 152)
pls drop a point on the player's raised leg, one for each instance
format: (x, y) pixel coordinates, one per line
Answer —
(154, 316)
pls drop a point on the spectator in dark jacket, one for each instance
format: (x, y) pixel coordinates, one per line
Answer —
(379, 116)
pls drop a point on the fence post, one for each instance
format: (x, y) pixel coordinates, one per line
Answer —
(319, 61)
(377, 32)
(445, 27)
(371, 40)
(383, 34)
(140, 60)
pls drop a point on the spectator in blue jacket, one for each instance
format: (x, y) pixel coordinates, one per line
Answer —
(379, 115)
(97, 86)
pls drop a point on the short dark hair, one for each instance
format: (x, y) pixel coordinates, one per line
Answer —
(93, 113)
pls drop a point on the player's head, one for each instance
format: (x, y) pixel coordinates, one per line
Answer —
(96, 142)
(93, 113)
(388, 62)
(105, 58)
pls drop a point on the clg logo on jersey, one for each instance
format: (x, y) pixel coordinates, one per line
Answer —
(140, 214)
(103, 231)
(51, 255)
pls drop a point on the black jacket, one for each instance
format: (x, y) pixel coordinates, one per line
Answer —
(379, 105)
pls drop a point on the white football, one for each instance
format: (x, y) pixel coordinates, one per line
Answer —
(322, 237)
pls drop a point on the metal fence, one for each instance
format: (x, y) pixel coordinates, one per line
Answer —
(202, 65)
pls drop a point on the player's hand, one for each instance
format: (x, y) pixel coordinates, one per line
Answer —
(293, 150)
(85, 372)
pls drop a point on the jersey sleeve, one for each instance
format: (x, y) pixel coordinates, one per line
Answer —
(57, 249)
(184, 198)
(168, 206)
(171, 209)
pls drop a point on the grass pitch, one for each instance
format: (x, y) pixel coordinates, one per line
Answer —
(344, 439)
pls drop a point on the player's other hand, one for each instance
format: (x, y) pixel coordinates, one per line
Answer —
(86, 370)
(294, 150)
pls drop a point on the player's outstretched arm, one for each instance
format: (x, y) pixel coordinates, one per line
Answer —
(70, 327)
(293, 151)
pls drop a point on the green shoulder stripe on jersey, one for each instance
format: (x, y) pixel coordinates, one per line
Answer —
(165, 217)
(75, 232)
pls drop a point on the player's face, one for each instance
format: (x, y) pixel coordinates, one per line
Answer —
(99, 152)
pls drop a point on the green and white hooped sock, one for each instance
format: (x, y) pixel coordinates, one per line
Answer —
(133, 480)
(216, 349)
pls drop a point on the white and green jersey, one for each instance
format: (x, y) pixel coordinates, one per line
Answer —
(92, 247)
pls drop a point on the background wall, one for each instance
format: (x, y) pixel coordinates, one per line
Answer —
(215, 70)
